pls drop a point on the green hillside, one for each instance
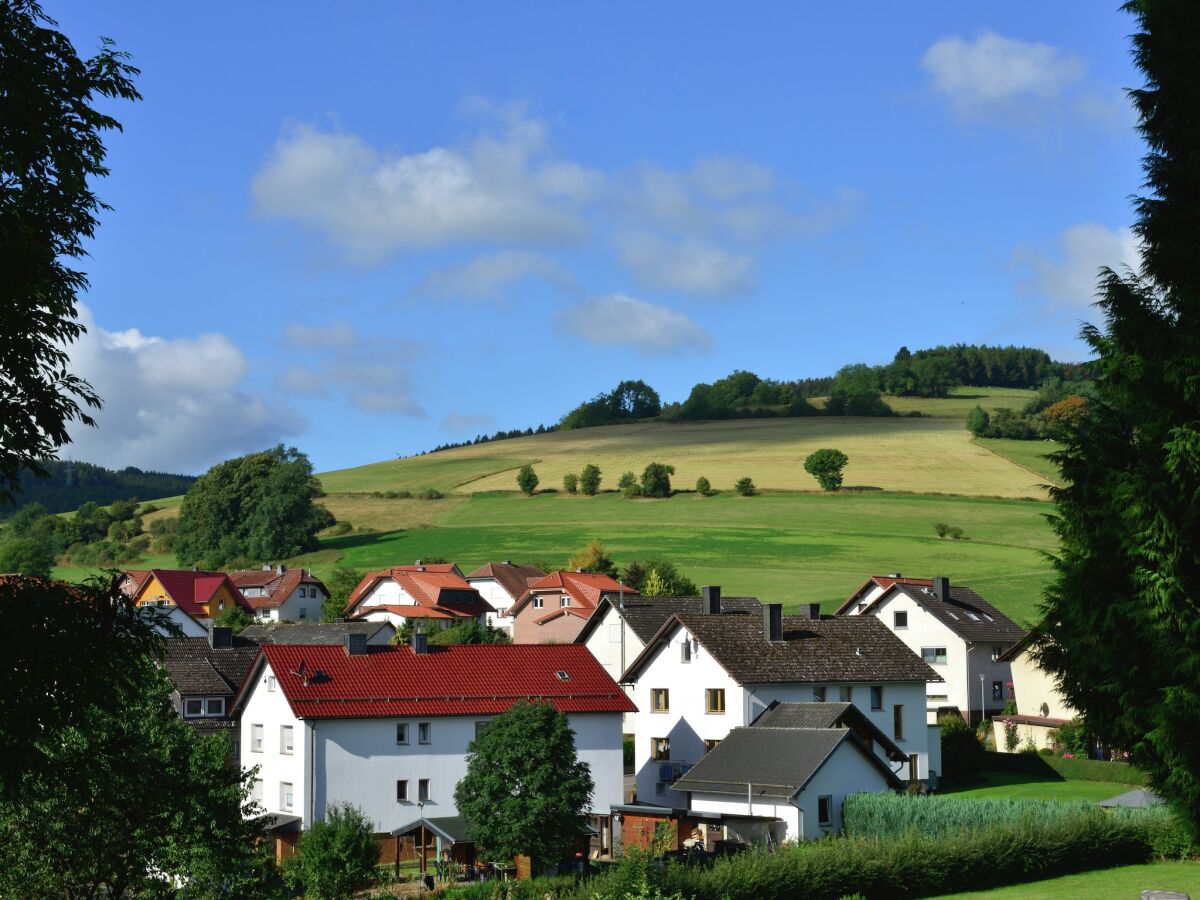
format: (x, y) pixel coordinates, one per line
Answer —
(791, 544)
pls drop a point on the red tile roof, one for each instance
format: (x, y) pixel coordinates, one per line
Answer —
(584, 588)
(191, 591)
(279, 585)
(433, 585)
(482, 679)
(408, 610)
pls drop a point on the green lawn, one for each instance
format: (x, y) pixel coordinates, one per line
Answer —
(1003, 785)
(962, 400)
(786, 548)
(1028, 454)
(1122, 883)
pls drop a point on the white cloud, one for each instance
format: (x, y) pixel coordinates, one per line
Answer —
(994, 74)
(485, 275)
(690, 267)
(503, 188)
(372, 374)
(620, 320)
(170, 404)
(463, 423)
(1068, 276)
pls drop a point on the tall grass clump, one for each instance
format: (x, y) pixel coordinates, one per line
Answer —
(890, 815)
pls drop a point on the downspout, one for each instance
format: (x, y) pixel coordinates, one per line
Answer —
(312, 766)
(967, 678)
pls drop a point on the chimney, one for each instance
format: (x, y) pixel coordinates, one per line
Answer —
(280, 569)
(195, 568)
(711, 594)
(507, 562)
(356, 645)
(220, 637)
(814, 611)
(419, 642)
(894, 575)
(418, 562)
(941, 588)
(266, 567)
(772, 614)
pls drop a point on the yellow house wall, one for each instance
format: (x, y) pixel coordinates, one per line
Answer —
(1034, 687)
(153, 591)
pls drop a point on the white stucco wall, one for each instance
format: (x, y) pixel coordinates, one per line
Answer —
(491, 591)
(188, 626)
(358, 761)
(302, 609)
(733, 807)
(271, 710)
(615, 646)
(846, 772)
(386, 592)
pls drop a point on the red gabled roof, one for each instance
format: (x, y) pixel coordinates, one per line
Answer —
(584, 588)
(408, 610)
(883, 581)
(191, 591)
(279, 585)
(325, 682)
(428, 586)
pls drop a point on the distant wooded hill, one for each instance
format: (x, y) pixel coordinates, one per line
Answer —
(71, 484)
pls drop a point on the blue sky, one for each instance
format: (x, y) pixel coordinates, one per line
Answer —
(371, 229)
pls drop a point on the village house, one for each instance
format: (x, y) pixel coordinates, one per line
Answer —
(190, 599)
(375, 633)
(620, 627)
(387, 728)
(280, 594)
(953, 629)
(205, 674)
(556, 607)
(436, 595)
(704, 674)
(502, 584)
(1041, 707)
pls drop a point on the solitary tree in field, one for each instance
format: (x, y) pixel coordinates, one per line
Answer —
(51, 154)
(656, 480)
(745, 487)
(589, 479)
(1120, 621)
(826, 466)
(527, 480)
(703, 487)
(525, 790)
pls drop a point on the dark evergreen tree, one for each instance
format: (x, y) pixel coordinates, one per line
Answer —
(1121, 625)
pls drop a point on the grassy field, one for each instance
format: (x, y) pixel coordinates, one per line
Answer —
(1004, 785)
(901, 454)
(1029, 454)
(962, 401)
(791, 544)
(788, 548)
(1122, 883)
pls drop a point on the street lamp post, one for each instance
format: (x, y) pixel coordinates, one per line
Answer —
(982, 699)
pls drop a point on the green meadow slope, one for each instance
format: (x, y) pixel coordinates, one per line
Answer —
(791, 544)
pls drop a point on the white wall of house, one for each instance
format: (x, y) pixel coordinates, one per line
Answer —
(748, 830)
(615, 646)
(688, 723)
(386, 592)
(846, 772)
(302, 605)
(397, 621)
(492, 591)
(187, 626)
(270, 709)
(358, 761)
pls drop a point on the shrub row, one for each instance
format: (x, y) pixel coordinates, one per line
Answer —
(1056, 766)
(908, 865)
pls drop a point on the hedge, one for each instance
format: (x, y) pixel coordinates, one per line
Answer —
(909, 865)
(1057, 767)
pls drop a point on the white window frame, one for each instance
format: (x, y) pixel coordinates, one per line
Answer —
(271, 683)
(256, 791)
(218, 700)
(287, 796)
(538, 603)
(286, 740)
(423, 791)
(256, 739)
(896, 619)
(424, 732)
(199, 713)
(401, 790)
(939, 656)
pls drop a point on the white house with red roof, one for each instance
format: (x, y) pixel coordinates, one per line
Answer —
(555, 608)
(191, 598)
(502, 584)
(280, 594)
(387, 728)
(435, 594)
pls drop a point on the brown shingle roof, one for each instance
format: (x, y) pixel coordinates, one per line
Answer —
(842, 649)
(966, 614)
(515, 579)
(646, 615)
(196, 668)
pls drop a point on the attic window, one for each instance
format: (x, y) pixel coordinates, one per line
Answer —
(561, 675)
(972, 617)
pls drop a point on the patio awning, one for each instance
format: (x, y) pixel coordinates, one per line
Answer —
(455, 829)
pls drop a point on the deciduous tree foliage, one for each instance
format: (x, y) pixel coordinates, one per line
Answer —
(335, 857)
(589, 479)
(592, 558)
(255, 508)
(50, 149)
(104, 790)
(826, 466)
(525, 790)
(1121, 627)
(527, 480)
(341, 583)
(656, 480)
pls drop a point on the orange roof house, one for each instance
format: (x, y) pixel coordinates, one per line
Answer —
(281, 593)
(556, 607)
(434, 592)
(202, 595)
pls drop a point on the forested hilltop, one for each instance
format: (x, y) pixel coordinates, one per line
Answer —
(71, 484)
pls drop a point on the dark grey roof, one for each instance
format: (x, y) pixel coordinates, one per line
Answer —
(770, 762)
(310, 632)
(196, 668)
(841, 649)
(1138, 798)
(455, 829)
(813, 714)
(966, 614)
(646, 615)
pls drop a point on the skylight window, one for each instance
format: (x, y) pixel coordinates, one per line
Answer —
(561, 675)
(972, 617)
